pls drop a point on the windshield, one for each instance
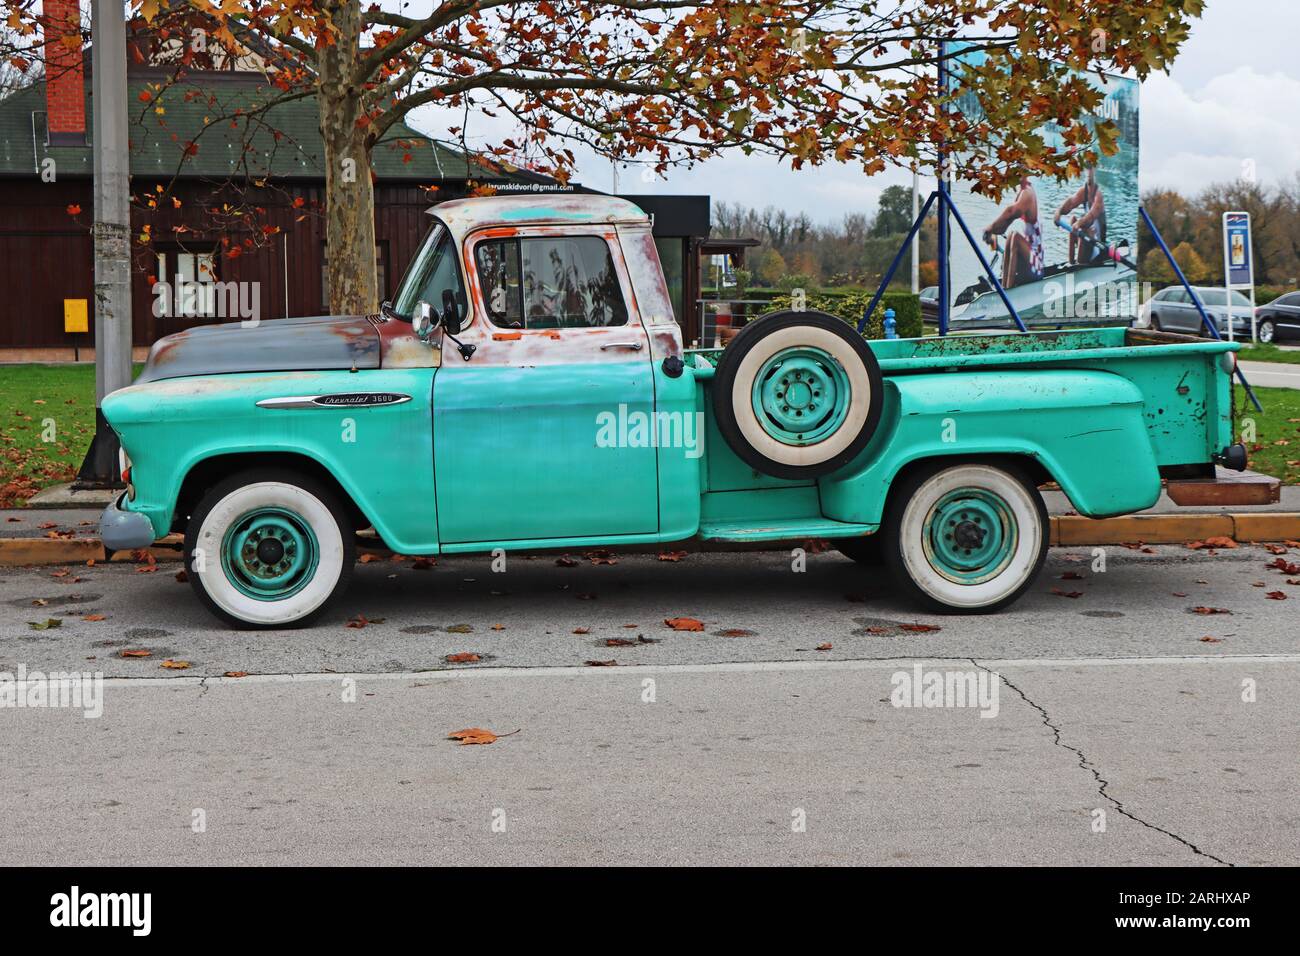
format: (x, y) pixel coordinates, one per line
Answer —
(1216, 298)
(431, 271)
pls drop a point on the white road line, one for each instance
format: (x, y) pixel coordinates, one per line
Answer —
(735, 667)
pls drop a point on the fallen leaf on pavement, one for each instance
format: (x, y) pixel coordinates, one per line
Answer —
(1071, 576)
(146, 569)
(684, 623)
(619, 642)
(473, 735)
(357, 622)
(601, 557)
(172, 665)
(1275, 548)
(582, 630)
(464, 657)
(498, 627)
(368, 558)
(1211, 640)
(136, 652)
(1276, 595)
(1067, 594)
(45, 625)
(671, 555)
(602, 663)
(564, 561)
(40, 602)
(825, 647)
(235, 674)
(93, 617)
(460, 629)
(920, 628)
(1210, 610)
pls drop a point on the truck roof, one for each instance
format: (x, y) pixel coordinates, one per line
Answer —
(464, 215)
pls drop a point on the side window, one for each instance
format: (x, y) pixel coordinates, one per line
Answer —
(563, 282)
(442, 276)
(1292, 299)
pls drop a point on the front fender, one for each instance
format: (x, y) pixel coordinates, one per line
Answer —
(1085, 427)
(382, 456)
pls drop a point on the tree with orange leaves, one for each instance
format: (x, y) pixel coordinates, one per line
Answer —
(668, 81)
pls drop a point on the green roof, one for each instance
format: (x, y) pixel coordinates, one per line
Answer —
(158, 140)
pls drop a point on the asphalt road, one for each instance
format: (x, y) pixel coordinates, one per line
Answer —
(1117, 736)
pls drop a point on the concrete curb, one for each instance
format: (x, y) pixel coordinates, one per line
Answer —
(1066, 531)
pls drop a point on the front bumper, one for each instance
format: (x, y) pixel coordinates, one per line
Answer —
(123, 530)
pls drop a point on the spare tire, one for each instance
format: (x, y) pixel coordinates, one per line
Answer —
(797, 394)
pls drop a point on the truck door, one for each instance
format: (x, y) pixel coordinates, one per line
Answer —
(536, 436)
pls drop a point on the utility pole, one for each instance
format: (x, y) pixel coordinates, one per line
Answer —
(111, 231)
(916, 239)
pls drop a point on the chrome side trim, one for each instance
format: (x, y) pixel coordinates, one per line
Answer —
(336, 400)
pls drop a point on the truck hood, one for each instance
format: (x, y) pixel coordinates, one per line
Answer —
(275, 345)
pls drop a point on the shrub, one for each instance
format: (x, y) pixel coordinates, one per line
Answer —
(849, 306)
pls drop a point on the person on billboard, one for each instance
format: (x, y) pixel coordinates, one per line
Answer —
(1023, 259)
(1087, 231)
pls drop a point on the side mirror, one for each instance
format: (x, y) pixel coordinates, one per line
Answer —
(450, 312)
(423, 322)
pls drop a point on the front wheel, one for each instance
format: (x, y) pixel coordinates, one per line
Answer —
(269, 548)
(966, 538)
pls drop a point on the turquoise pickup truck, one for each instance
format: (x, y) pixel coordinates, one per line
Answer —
(528, 388)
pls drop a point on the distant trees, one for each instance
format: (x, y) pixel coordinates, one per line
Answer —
(855, 251)
(1193, 229)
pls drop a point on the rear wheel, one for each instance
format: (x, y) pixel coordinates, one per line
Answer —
(1155, 323)
(1266, 331)
(966, 538)
(269, 548)
(797, 394)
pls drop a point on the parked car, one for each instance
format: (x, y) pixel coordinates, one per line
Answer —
(1172, 310)
(929, 297)
(528, 389)
(1279, 319)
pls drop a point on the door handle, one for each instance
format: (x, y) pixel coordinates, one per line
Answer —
(634, 346)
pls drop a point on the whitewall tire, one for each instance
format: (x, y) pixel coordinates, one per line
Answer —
(797, 394)
(269, 549)
(966, 538)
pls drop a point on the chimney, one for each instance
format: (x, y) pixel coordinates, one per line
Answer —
(65, 97)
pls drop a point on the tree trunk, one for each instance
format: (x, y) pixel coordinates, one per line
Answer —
(349, 190)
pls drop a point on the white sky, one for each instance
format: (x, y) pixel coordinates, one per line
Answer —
(1231, 97)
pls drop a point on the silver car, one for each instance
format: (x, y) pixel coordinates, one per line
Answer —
(1172, 310)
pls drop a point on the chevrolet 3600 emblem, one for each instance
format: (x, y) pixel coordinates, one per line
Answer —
(338, 400)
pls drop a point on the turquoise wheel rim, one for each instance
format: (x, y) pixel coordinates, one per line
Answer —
(801, 396)
(269, 554)
(970, 535)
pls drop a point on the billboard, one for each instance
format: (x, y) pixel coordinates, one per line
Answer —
(1065, 251)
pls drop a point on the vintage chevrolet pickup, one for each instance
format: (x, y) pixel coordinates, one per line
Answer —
(528, 389)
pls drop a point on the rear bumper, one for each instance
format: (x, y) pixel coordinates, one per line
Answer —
(123, 530)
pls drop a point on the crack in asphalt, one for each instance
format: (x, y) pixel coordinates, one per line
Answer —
(1103, 784)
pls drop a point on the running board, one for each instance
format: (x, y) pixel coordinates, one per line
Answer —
(781, 529)
(1226, 488)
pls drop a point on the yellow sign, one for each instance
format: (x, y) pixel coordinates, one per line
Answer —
(74, 316)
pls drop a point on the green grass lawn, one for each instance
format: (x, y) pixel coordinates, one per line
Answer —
(47, 419)
(1276, 448)
(1269, 353)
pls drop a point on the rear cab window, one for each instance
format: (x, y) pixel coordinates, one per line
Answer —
(550, 282)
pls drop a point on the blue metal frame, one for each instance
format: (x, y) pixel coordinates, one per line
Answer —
(946, 207)
(1196, 300)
